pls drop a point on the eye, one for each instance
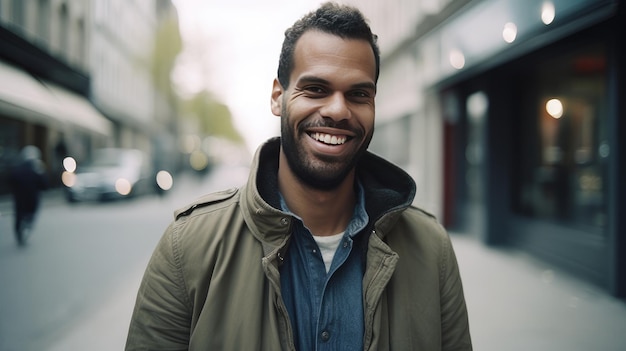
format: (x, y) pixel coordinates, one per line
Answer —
(315, 90)
(361, 96)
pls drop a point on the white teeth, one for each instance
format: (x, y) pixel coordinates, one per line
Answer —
(329, 139)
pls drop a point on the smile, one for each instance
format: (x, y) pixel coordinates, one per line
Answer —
(329, 139)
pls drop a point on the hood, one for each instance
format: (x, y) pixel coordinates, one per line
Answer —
(388, 191)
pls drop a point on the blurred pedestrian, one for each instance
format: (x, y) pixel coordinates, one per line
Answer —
(27, 180)
(321, 249)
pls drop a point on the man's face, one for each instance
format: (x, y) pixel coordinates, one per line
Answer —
(327, 112)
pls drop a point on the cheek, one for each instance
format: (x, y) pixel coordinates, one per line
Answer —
(366, 118)
(303, 107)
(299, 111)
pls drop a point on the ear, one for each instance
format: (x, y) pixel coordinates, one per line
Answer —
(277, 94)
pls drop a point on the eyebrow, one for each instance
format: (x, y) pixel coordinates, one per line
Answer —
(318, 80)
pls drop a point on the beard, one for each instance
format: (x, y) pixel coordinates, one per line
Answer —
(322, 172)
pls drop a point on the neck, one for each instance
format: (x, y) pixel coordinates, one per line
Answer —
(324, 212)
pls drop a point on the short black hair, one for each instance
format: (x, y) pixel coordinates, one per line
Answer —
(341, 20)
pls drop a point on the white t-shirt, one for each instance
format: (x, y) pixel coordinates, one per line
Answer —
(328, 246)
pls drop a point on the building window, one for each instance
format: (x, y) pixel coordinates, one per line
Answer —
(563, 164)
(43, 21)
(81, 49)
(17, 12)
(476, 107)
(64, 32)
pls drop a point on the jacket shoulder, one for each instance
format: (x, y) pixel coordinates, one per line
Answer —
(418, 212)
(206, 201)
(423, 212)
(425, 221)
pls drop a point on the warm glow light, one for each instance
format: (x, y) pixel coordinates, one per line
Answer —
(68, 179)
(477, 105)
(198, 160)
(554, 107)
(547, 12)
(509, 33)
(457, 59)
(123, 186)
(69, 163)
(164, 180)
(190, 143)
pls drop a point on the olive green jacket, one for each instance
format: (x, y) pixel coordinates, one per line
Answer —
(213, 281)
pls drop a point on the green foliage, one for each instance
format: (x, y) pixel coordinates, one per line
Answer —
(214, 117)
(167, 46)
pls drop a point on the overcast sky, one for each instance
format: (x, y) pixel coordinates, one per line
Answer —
(232, 48)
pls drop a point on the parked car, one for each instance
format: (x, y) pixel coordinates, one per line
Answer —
(111, 173)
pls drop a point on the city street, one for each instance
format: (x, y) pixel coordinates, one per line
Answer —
(73, 287)
(508, 115)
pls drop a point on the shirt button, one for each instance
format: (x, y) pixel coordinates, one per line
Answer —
(345, 243)
(325, 335)
(284, 221)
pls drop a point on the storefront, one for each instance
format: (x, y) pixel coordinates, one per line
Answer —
(56, 120)
(533, 131)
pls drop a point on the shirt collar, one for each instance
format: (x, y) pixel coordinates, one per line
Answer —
(359, 218)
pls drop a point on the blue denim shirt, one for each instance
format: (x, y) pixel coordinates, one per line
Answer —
(326, 309)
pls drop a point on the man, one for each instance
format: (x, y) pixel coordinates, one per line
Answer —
(27, 180)
(321, 249)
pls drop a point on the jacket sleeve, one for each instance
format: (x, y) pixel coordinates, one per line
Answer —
(162, 315)
(454, 320)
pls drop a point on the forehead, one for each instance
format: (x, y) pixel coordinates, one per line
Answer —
(318, 52)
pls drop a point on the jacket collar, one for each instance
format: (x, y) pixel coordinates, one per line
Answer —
(388, 191)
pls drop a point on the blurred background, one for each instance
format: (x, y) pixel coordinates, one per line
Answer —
(507, 113)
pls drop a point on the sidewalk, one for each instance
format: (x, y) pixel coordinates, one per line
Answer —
(518, 303)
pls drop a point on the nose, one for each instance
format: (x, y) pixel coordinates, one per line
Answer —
(336, 107)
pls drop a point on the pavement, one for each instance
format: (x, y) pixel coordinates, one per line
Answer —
(515, 303)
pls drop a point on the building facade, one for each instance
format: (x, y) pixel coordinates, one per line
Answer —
(77, 75)
(122, 45)
(44, 94)
(511, 113)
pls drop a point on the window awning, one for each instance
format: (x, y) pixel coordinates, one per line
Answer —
(21, 95)
(27, 98)
(78, 111)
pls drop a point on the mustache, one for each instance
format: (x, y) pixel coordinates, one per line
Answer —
(330, 123)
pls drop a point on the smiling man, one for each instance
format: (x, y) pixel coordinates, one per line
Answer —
(328, 109)
(322, 248)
